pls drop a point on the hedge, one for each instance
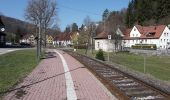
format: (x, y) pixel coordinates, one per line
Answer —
(144, 46)
(80, 46)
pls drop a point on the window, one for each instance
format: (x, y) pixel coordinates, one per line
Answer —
(134, 29)
(136, 35)
(2, 39)
(145, 41)
(167, 34)
(164, 34)
(133, 35)
(164, 40)
(98, 44)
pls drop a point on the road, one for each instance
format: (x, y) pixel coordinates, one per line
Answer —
(7, 50)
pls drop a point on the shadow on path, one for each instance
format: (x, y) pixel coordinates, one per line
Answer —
(24, 86)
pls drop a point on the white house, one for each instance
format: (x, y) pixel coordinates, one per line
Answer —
(107, 45)
(28, 38)
(66, 39)
(159, 35)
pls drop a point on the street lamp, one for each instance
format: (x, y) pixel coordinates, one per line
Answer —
(92, 35)
(109, 38)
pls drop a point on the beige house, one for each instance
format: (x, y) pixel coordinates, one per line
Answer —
(49, 39)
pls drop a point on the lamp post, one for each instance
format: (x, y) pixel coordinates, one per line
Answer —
(109, 38)
(92, 35)
(144, 64)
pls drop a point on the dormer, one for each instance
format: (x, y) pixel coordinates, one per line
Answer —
(150, 34)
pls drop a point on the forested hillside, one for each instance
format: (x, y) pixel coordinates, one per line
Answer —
(15, 29)
(148, 12)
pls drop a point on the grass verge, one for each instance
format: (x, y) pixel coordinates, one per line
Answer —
(155, 66)
(14, 66)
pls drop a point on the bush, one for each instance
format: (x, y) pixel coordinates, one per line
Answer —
(80, 46)
(144, 46)
(100, 55)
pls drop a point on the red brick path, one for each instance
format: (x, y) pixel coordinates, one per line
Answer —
(48, 82)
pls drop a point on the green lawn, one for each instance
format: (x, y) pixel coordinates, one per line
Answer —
(158, 67)
(14, 66)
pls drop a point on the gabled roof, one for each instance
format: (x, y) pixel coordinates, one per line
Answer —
(146, 31)
(127, 33)
(26, 36)
(66, 36)
(102, 35)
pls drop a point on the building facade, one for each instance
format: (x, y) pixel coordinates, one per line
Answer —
(158, 35)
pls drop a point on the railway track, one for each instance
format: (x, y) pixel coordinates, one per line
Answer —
(126, 86)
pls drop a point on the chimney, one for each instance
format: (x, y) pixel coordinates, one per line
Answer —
(155, 28)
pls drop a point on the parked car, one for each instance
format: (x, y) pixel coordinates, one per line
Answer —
(25, 45)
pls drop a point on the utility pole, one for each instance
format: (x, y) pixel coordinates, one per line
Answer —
(109, 38)
(144, 64)
(39, 40)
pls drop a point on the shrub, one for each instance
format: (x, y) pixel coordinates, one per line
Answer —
(144, 46)
(80, 46)
(100, 55)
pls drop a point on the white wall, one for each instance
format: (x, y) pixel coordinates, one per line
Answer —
(134, 32)
(164, 39)
(161, 43)
(104, 44)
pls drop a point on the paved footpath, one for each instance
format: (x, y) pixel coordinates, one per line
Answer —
(60, 78)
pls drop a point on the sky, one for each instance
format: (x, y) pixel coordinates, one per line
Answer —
(69, 11)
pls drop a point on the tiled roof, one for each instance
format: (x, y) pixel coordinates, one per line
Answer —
(146, 32)
(127, 34)
(102, 35)
(65, 36)
(26, 36)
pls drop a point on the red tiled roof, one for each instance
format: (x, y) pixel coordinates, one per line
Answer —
(102, 35)
(156, 31)
(127, 34)
(26, 36)
(65, 36)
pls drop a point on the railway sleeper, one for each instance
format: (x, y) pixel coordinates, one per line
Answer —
(156, 97)
(125, 82)
(143, 95)
(130, 86)
(134, 89)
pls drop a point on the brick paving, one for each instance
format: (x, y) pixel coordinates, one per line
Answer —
(47, 82)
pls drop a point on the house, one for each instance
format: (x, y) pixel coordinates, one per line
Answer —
(66, 39)
(28, 38)
(108, 45)
(159, 35)
(49, 40)
(60, 39)
(2, 34)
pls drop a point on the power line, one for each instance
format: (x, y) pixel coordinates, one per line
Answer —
(79, 10)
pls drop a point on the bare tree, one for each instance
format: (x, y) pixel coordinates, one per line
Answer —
(88, 30)
(41, 13)
(115, 20)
